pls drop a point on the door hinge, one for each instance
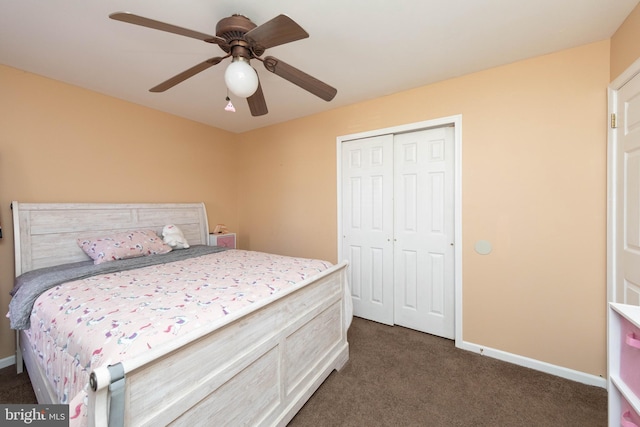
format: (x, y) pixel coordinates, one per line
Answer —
(614, 121)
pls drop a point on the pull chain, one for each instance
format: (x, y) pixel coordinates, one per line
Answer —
(229, 106)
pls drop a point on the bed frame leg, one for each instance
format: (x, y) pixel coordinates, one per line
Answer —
(19, 361)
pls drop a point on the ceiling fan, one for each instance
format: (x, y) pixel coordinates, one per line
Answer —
(242, 40)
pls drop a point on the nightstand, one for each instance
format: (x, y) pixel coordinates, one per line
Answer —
(227, 240)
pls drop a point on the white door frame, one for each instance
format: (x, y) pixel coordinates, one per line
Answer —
(456, 121)
(612, 226)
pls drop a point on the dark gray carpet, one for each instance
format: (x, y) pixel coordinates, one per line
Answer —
(15, 388)
(399, 377)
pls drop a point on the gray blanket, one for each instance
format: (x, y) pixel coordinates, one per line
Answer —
(30, 285)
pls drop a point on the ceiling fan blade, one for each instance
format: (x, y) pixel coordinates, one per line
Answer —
(297, 77)
(157, 25)
(257, 103)
(186, 74)
(279, 30)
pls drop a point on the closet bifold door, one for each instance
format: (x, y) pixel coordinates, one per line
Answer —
(424, 231)
(367, 223)
(398, 228)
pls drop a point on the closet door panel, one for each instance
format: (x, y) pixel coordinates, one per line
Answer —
(367, 188)
(423, 225)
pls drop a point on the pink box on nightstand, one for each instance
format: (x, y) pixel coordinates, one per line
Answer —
(227, 240)
(630, 355)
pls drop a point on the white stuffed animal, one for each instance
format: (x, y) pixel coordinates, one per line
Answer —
(173, 237)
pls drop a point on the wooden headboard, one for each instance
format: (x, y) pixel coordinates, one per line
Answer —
(45, 233)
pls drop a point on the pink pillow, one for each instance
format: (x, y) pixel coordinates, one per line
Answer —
(129, 244)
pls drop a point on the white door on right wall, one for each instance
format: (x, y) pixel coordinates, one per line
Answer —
(627, 194)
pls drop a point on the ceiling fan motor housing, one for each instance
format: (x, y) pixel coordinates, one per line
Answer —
(233, 29)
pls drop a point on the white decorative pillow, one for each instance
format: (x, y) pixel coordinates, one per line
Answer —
(128, 244)
(172, 236)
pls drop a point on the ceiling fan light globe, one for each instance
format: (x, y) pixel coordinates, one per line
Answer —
(241, 79)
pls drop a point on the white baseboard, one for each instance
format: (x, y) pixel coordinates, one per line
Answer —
(538, 365)
(7, 361)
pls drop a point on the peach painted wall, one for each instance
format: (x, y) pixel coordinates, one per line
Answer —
(534, 159)
(625, 44)
(534, 185)
(60, 143)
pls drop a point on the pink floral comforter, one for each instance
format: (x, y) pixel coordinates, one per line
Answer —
(102, 320)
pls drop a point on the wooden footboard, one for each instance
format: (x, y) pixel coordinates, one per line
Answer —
(258, 369)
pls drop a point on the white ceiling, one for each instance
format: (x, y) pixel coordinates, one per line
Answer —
(364, 48)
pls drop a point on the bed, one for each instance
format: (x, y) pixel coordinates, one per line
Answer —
(255, 364)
